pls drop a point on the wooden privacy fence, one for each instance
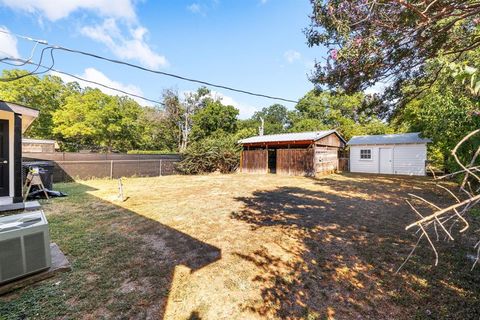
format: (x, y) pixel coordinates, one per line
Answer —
(254, 161)
(343, 165)
(88, 166)
(295, 161)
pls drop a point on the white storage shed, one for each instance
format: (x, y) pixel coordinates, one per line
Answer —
(404, 153)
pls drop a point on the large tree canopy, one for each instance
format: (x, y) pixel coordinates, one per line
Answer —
(275, 118)
(390, 41)
(445, 112)
(351, 114)
(214, 116)
(46, 94)
(94, 118)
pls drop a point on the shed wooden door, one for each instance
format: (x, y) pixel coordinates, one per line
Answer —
(254, 161)
(4, 153)
(295, 161)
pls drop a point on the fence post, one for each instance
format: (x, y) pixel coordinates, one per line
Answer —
(111, 169)
(160, 168)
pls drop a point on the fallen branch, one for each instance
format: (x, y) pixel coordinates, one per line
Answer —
(456, 212)
(440, 212)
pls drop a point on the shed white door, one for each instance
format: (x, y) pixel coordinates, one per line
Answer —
(385, 161)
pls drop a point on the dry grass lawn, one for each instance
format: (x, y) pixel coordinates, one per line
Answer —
(248, 247)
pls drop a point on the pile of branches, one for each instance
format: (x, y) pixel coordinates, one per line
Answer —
(213, 154)
(440, 222)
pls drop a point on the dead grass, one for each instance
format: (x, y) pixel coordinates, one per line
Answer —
(247, 247)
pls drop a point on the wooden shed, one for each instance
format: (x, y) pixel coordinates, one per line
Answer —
(300, 153)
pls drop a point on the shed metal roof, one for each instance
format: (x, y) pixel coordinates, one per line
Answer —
(403, 138)
(296, 136)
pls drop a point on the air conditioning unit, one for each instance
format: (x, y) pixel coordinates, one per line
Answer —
(24, 245)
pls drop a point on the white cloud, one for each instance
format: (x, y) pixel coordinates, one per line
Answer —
(55, 10)
(8, 45)
(125, 45)
(246, 110)
(195, 8)
(132, 46)
(292, 55)
(93, 74)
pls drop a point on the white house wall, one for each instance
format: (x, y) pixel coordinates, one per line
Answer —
(408, 159)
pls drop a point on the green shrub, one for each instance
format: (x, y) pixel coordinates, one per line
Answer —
(219, 152)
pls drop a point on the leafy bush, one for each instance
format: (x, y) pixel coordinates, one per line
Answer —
(219, 152)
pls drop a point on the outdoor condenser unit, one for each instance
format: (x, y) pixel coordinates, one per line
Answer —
(24, 245)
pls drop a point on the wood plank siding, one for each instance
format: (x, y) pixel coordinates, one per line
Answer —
(325, 159)
(292, 157)
(295, 161)
(332, 140)
(254, 161)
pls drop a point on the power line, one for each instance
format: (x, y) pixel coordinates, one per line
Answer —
(61, 48)
(76, 77)
(35, 71)
(45, 42)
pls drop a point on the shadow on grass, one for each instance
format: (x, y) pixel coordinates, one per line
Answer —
(350, 240)
(123, 263)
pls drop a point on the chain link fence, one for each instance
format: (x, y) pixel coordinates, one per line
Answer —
(72, 166)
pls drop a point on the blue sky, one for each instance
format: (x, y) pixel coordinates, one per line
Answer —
(255, 45)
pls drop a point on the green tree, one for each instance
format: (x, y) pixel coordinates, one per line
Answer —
(350, 114)
(173, 111)
(392, 40)
(193, 102)
(155, 131)
(92, 118)
(445, 112)
(301, 123)
(45, 94)
(213, 117)
(275, 118)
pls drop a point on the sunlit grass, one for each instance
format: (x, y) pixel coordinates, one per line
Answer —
(243, 247)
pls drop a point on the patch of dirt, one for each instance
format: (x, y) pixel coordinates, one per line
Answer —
(140, 285)
(156, 242)
(100, 313)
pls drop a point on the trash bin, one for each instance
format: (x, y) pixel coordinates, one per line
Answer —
(45, 169)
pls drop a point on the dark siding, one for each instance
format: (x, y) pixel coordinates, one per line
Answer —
(17, 155)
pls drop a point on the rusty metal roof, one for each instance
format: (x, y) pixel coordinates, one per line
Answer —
(296, 136)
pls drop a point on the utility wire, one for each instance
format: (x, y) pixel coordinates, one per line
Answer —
(61, 48)
(29, 59)
(35, 71)
(79, 78)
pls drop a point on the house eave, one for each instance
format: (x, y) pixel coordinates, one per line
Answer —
(28, 114)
